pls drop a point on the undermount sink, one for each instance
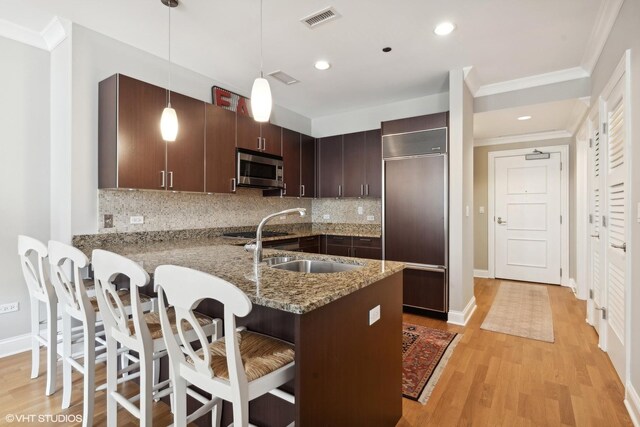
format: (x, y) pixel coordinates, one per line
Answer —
(312, 266)
(278, 260)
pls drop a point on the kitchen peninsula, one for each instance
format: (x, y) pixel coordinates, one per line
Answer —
(343, 375)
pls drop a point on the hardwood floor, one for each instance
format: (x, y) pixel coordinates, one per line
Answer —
(495, 379)
(491, 379)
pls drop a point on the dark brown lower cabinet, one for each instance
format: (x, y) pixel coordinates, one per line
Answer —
(359, 247)
(425, 289)
(310, 244)
(369, 253)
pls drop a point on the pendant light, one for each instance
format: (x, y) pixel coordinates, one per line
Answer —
(169, 119)
(261, 92)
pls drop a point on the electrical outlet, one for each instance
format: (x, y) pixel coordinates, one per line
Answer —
(374, 315)
(108, 221)
(136, 219)
(10, 307)
(481, 210)
(326, 216)
(467, 211)
(360, 210)
(371, 218)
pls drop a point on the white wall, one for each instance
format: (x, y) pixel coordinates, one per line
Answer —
(460, 199)
(96, 57)
(370, 118)
(24, 169)
(626, 35)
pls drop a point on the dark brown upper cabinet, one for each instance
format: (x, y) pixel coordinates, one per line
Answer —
(131, 151)
(257, 136)
(185, 167)
(271, 138)
(248, 133)
(354, 164)
(414, 124)
(330, 166)
(291, 160)
(220, 149)
(373, 159)
(307, 166)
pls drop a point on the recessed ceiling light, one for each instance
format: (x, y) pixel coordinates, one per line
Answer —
(444, 28)
(322, 65)
(523, 118)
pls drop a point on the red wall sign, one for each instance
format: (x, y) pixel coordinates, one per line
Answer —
(231, 101)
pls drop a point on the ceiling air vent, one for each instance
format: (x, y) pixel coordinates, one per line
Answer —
(283, 77)
(320, 17)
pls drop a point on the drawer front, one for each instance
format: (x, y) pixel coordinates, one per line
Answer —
(367, 242)
(309, 241)
(339, 240)
(287, 244)
(369, 253)
(425, 289)
(311, 249)
(338, 250)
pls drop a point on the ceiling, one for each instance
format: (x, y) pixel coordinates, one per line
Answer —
(547, 117)
(501, 39)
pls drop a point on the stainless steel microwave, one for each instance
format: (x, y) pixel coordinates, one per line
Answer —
(260, 170)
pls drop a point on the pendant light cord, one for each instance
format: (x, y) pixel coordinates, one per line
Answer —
(261, 59)
(169, 6)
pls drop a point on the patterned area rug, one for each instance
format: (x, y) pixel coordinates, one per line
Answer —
(425, 352)
(522, 310)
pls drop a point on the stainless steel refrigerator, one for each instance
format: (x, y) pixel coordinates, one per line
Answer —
(415, 214)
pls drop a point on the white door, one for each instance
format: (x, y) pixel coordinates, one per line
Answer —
(527, 219)
(596, 236)
(615, 224)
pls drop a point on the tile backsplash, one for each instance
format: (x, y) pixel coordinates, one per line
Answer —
(346, 211)
(180, 211)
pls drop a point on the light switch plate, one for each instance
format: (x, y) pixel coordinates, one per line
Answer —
(360, 210)
(136, 219)
(326, 216)
(481, 210)
(466, 210)
(374, 315)
(371, 218)
(108, 221)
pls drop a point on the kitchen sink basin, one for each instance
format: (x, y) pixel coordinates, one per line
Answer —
(278, 260)
(314, 266)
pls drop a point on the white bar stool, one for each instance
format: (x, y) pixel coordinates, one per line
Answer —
(76, 304)
(142, 334)
(237, 368)
(40, 291)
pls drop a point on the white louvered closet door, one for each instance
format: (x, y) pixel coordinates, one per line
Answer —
(616, 214)
(596, 285)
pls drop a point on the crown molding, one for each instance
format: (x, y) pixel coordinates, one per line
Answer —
(532, 81)
(527, 137)
(47, 39)
(605, 19)
(471, 79)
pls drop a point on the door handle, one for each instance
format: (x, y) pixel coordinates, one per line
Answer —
(171, 179)
(362, 189)
(284, 189)
(339, 190)
(233, 185)
(500, 221)
(302, 190)
(366, 189)
(264, 144)
(162, 179)
(259, 143)
(622, 246)
(597, 236)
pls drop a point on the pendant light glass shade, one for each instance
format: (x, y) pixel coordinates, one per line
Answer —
(169, 124)
(261, 100)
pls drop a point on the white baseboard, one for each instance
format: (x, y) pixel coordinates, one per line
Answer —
(13, 345)
(481, 273)
(462, 317)
(632, 402)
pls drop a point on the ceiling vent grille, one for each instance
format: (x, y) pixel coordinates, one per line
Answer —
(284, 77)
(320, 17)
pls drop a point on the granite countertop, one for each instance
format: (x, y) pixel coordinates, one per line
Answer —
(283, 290)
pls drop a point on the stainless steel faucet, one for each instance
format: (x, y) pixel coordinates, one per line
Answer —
(256, 246)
